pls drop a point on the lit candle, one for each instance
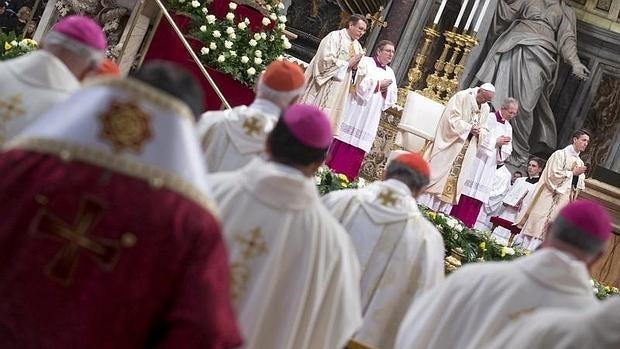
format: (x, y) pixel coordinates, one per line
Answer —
(471, 15)
(481, 15)
(438, 15)
(461, 12)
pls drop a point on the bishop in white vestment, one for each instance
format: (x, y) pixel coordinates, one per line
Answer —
(329, 75)
(461, 125)
(559, 183)
(232, 138)
(373, 91)
(400, 251)
(494, 148)
(478, 300)
(31, 84)
(596, 327)
(294, 270)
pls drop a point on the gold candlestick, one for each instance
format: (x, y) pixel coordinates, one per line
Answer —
(415, 73)
(467, 41)
(433, 89)
(443, 84)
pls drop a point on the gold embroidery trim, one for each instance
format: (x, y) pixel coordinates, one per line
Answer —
(125, 126)
(253, 245)
(155, 176)
(449, 190)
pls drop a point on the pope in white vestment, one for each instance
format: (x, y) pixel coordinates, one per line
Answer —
(329, 75)
(31, 84)
(232, 138)
(295, 273)
(461, 125)
(400, 251)
(554, 190)
(478, 300)
(596, 327)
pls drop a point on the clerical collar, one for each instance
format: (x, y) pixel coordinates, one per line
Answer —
(532, 180)
(498, 117)
(265, 106)
(382, 66)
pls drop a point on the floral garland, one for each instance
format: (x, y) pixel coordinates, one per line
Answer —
(463, 245)
(229, 45)
(12, 46)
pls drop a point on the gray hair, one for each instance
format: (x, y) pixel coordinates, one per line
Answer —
(562, 230)
(508, 101)
(413, 179)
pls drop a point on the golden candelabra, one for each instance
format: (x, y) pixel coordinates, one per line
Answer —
(434, 86)
(466, 42)
(415, 73)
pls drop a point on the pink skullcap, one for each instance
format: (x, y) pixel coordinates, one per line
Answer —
(82, 29)
(309, 125)
(589, 217)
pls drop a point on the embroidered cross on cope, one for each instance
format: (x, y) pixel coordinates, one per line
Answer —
(77, 239)
(387, 198)
(252, 126)
(253, 245)
(11, 108)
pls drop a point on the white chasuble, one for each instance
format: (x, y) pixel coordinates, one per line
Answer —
(365, 104)
(328, 76)
(453, 152)
(232, 138)
(400, 251)
(552, 192)
(31, 84)
(294, 270)
(479, 181)
(478, 300)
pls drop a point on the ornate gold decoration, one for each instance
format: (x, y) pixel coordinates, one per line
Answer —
(11, 107)
(377, 19)
(387, 198)
(454, 260)
(374, 161)
(415, 73)
(252, 246)
(449, 190)
(103, 251)
(125, 126)
(252, 126)
(434, 83)
(465, 42)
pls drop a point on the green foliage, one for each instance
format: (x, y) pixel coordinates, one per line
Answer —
(12, 46)
(229, 45)
(327, 181)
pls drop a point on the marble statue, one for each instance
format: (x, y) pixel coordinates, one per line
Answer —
(529, 37)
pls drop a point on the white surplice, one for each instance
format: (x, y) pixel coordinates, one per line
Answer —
(479, 180)
(478, 300)
(232, 138)
(294, 269)
(493, 206)
(552, 192)
(596, 327)
(31, 84)
(461, 113)
(328, 76)
(401, 253)
(365, 104)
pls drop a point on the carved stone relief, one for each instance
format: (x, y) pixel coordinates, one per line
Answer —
(374, 162)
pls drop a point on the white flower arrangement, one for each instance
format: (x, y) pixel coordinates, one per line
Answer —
(233, 46)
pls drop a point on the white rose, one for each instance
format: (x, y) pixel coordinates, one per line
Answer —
(263, 35)
(258, 53)
(251, 71)
(230, 16)
(459, 228)
(268, 7)
(317, 180)
(181, 1)
(253, 43)
(256, 36)
(271, 38)
(258, 60)
(244, 59)
(246, 20)
(451, 222)
(221, 58)
(232, 36)
(282, 18)
(242, 25)
(233, 53)
(195, 4)
(216, 34)
(205, 10)
(281, 26)
(273, 16)
(266, 21)
(204, 50)
(228, 44)
(210, 19)
(212, 46)
(281, 6)
(232, 6)
(203, 28)
(283, 37)
(230, 30)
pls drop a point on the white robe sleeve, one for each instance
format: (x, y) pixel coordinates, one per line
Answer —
(392, 91)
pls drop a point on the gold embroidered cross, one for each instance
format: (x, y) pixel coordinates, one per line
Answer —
(251, 126)
(254, 245)
(387, 198)
(11, 108)
(103, 251)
